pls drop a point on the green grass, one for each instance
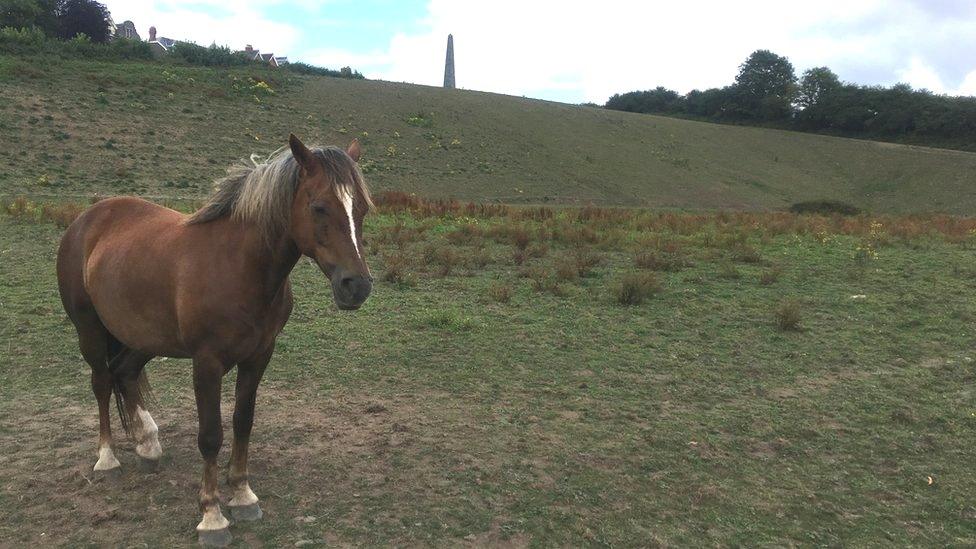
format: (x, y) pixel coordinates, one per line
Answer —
(437, 414)
(76, 128)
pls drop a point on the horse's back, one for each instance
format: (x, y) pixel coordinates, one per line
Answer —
(111, 218)
(124, 214)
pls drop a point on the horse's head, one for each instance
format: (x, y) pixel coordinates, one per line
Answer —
(327, 218)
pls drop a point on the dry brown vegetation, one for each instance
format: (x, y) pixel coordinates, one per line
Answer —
(590, 224)
(558, 248)
(788, 314)
(500, 291)
(635, 288)
(60, 214)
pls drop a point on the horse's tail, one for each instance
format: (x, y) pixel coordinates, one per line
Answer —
(140, 391)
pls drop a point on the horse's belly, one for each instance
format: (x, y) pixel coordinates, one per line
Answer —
(146, 335)
(132, 297)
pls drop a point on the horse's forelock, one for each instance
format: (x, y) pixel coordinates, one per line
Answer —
(261, 194)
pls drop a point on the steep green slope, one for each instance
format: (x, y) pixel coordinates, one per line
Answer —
(76, 128)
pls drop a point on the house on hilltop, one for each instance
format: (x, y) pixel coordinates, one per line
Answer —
(160, 45)
(269, 58)
(126, 30)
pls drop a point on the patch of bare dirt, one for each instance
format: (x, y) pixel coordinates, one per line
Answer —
(306, 451)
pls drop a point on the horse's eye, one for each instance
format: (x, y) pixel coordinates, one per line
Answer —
(318, 209)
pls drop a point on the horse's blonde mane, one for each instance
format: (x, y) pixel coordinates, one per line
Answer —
(261, 193)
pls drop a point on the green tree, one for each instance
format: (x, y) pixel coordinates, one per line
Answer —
(21, 14)
(765, 86)
(86, 17)
(816, 84)
(657, 100)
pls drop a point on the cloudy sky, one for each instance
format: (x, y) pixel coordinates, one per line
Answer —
(575, 51)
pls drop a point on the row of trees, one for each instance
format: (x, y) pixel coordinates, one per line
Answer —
(64, 19)
(767, 92)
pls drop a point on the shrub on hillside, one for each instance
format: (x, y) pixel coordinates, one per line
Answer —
(771, 275)
(824, 207)
(61, 215)
(21, 40)
(656, 260)
(501, 291)
(788, 315)
(397, 270)
(635, 288)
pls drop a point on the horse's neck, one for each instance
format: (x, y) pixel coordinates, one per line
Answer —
(271, 263)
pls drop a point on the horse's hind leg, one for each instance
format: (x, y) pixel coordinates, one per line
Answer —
(93, 340)
(132, 387)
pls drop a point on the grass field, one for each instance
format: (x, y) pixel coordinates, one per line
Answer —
(786, 380)
(74, 128)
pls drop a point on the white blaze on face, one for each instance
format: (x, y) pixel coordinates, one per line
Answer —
(346, 198)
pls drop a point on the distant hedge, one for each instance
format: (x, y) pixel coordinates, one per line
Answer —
(305, 68)
(767, 93)
(825, 207)
(213, 56)
(33, 41)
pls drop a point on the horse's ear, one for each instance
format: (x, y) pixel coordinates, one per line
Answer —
(300, 152)
(354, 151)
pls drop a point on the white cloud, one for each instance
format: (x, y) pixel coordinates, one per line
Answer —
(968, 85)
(582, 51)
(921, 75)
(335, 58)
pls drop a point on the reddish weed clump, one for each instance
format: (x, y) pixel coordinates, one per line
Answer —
(466, 234)
(501, 292)
(442, 258)
(586, 260)
(788, 314)
(635, 288)
(567, 270)
(396, 271)
(660, 261)
(61, 215)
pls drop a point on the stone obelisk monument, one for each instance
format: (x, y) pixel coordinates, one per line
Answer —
(449, 63)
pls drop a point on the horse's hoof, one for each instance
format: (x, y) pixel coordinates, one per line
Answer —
(148, 465)
(246, 512)
(215, 538)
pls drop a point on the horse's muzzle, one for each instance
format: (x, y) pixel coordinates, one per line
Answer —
(351, 291)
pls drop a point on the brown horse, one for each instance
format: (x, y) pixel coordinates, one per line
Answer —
(139, 280)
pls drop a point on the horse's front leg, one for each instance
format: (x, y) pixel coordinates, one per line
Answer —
(244, 504)
(207, 373)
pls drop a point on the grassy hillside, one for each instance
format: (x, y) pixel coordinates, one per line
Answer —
(75, 128)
